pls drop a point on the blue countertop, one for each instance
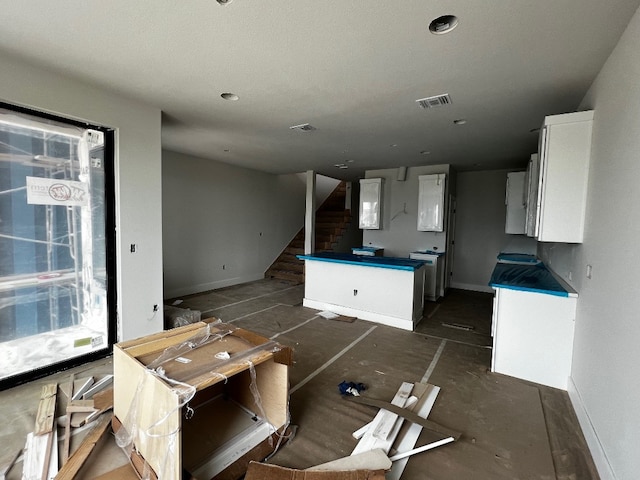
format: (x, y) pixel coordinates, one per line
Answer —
(529, 278)
(365, 261)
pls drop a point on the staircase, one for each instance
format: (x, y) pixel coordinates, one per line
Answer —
(331, 222)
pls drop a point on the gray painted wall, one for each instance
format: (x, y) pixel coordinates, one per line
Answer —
(138, 179)
(480, 224)
(217, 215)
(399, 234)
(606, 357)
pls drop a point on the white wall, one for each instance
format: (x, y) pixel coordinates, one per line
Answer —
(399, 234)
(480, 224)
(138, 179)
(216, 214)
(606, 357)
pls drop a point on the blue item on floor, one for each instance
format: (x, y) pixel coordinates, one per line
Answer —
(351, 388)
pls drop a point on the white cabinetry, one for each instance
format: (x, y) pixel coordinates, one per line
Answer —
(532, 195)
(431, 202)
(515, 200)
(433, 270)
(384, 295)
(564, 150)
(533, 336)
(371, 203)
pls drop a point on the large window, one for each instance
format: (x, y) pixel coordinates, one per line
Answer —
(56, 243)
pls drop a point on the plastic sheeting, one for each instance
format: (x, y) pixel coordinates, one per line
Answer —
(185, 390)
(53, 273)
(532, 278)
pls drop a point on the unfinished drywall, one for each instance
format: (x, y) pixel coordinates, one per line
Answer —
(399, 234)
(606, 358)
(223, 225)
(480, 224)
(138, 178)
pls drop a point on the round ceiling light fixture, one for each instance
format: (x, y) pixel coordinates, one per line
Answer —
(460, 121)
(443, 24)
(230, 96)
(224, 2)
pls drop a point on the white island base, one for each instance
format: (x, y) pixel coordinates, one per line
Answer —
(386, 295)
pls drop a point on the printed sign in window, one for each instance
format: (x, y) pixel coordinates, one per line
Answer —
(47, 191)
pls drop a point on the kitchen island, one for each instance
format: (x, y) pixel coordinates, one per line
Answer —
(385, 290)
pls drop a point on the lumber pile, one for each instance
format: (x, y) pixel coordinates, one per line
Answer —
(88, 403)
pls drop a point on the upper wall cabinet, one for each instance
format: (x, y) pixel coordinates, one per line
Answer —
(431, 202)
(371, 203)
(564, 154)
(532, 195)
(515, 200)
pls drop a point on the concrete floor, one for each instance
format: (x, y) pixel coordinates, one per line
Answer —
(511, 429)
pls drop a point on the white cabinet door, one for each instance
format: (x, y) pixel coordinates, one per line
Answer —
(533, 336)
(371, 203)
(515, 201)
(565, 149)
(431, 202)
(532, 196)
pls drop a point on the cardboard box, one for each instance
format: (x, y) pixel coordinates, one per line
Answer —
(222, 423)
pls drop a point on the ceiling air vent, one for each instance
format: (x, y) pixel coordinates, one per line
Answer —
(436, 101)
(304, 127)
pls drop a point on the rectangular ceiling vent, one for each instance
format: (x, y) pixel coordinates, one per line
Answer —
(435, 101)
(305, 127)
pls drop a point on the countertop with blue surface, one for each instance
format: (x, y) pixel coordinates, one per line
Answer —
(379, 262)
(530, 278)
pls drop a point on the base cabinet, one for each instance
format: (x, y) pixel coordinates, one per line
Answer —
(533, 336)
(433, 267)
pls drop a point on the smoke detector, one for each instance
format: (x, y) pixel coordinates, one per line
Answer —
(435, 101)
(305, 127)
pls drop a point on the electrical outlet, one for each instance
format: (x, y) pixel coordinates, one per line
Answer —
(589, 271)
(133, 248)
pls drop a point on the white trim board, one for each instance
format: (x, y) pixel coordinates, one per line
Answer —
(205, 287)
(595, 447)
(361, 314)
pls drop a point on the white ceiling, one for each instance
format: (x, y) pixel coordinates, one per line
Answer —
(352, 69)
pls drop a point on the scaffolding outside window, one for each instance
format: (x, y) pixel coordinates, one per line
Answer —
(53, 242)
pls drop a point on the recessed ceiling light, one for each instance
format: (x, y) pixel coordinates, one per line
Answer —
(460, 121)
(339, 165)
(230, 96)
(425, 152)
(393, 145)
(349, 161)
(443, 24)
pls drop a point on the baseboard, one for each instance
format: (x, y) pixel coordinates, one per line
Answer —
(205, 287)
(472, 287)
(595, 447)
